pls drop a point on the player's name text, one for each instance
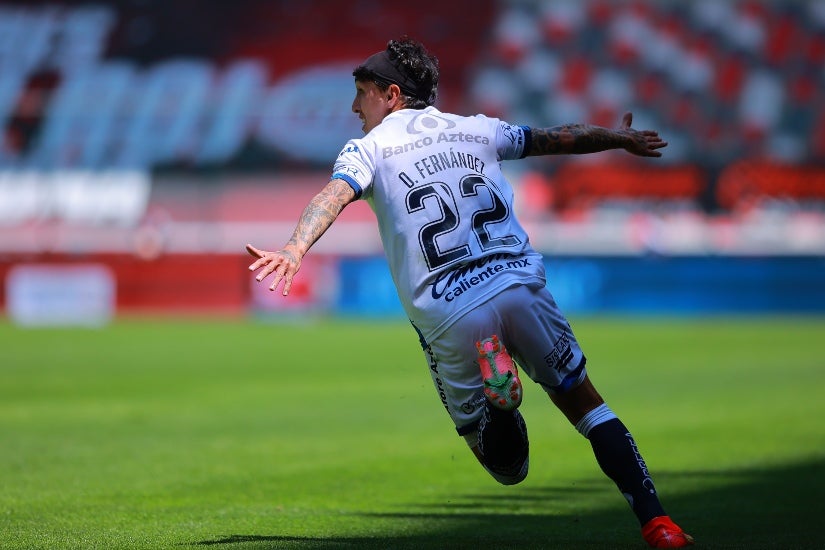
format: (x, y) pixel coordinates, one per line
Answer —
(433, 164)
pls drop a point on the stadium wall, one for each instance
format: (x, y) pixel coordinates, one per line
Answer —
(185, 283)
(220, 284)
(682, 285)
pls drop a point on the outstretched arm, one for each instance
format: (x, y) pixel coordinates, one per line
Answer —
(319, 214)
(577, 139)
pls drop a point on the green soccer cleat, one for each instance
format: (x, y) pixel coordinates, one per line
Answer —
(502, 386)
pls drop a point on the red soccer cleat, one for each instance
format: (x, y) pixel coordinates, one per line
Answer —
(661, 532)
(501, 383)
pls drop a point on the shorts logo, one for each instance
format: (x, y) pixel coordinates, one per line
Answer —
(469, 406)
(561, 355)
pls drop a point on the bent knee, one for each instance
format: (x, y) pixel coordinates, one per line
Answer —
(578, 401)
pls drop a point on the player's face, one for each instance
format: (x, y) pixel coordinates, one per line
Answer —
(370, 104)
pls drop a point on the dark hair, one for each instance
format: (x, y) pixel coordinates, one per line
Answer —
(411, 58)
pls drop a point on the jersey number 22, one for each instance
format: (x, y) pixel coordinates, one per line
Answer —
(446, 208)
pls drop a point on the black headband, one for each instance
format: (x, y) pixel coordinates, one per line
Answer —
(388, 72)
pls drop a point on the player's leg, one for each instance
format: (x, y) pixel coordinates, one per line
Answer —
(498, 438)
(614, 448)
(543, 344)
(619, 458)
(499, 374)
(503, 447)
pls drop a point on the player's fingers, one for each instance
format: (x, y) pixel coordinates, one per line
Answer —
(280, 273)
(259, 254)
(276, 281)
(254, 251)
(287, 283)
(269, 265)
(267, 262)
(257, 264)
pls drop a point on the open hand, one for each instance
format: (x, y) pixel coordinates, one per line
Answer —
(282, 264)
(641, 142)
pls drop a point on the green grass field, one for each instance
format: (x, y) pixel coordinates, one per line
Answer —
(243, 434)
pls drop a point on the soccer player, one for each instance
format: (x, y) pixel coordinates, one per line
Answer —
(471, 284)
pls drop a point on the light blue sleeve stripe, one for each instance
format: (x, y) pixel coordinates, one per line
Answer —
(352, 183)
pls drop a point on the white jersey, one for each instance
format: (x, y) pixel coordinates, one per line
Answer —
(444, 209)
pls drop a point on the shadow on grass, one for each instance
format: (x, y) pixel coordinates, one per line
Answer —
(750, 509)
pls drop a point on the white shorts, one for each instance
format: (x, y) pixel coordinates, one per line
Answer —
(532, 328)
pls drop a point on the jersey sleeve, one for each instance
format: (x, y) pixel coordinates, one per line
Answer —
(512, 142)
(355, 166)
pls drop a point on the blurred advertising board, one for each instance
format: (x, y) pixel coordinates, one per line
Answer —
(45, 295)
(684, 285)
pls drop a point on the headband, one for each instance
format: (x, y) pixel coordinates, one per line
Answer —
(388, 72)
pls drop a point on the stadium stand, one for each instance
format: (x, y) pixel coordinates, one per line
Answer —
(722, 81)
(699, 70)
(206, 86)
(150, 135)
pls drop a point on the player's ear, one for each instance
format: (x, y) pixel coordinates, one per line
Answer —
(393, 92)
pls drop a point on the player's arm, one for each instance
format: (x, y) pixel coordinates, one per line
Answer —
(578, 139)
(317, 217)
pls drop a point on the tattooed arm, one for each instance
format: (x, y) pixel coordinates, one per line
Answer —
(577, 139)
(319, 214)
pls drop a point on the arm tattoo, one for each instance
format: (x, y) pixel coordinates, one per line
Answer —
(319, 214)
(574, 139)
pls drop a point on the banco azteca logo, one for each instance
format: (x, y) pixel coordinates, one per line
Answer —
(427, 122)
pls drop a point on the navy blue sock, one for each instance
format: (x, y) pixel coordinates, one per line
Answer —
(620, 460)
